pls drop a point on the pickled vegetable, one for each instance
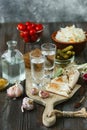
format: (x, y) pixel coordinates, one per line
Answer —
(68, 48)
(66, 53)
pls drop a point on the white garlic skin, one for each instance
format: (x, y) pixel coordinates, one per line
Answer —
(27, 104)
(10, 92)
(15, 91)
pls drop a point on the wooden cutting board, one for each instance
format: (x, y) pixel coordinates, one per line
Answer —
(48, 103)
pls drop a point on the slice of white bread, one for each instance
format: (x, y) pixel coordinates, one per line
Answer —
(73, 78)
(64, 84)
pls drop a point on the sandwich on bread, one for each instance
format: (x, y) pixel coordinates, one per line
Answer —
(64, 84)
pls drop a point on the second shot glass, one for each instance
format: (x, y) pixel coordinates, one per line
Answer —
(37, 69)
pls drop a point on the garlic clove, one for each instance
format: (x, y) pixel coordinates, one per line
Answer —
(18, 90)
(34, 91)
(44, 94)
(27, 104)
(10, 92)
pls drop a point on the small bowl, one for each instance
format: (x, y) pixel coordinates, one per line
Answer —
(65, 62)
(3, 83)
(78, 46)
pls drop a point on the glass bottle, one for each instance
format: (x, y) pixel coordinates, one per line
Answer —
(13, 67)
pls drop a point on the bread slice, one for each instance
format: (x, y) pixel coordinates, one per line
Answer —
(64, 84)
(73, 78)
(61, 89)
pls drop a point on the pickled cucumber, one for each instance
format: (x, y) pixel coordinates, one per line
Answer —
(65, 53)
(68, 48)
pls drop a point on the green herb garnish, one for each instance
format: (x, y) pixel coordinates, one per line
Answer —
(58, 72)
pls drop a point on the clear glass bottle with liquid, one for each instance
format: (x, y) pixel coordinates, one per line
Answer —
(13, 67)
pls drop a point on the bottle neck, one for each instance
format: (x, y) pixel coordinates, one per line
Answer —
(11, 45)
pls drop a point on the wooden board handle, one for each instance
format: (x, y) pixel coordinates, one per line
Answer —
(47, 120)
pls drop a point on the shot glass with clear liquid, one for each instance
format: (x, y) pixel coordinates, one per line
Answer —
(37, 69)
(49, 52)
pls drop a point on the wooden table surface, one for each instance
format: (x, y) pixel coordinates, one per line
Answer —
(11, 117)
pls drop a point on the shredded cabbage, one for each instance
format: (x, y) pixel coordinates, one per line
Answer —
(70, 34)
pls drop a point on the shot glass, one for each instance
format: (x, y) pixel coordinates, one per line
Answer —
(49, 52)
(37, 69)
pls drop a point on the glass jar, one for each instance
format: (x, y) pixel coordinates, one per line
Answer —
(13, 67)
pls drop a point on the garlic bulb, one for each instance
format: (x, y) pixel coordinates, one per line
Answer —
(15, 90)
(27, 104)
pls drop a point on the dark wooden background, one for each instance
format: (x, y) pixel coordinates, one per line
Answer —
(11, 117)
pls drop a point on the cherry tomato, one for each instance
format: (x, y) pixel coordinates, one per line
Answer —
(33, 25)
(26, 39)
(24, 34)
(21, 27)
(39, 27)
(32, 32)
(34, 38)
(28, 23)
(29, 27)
